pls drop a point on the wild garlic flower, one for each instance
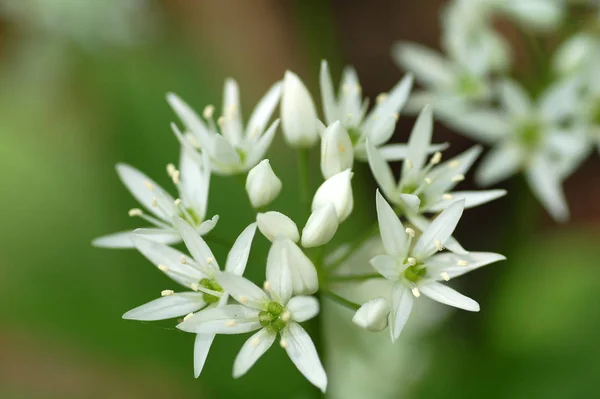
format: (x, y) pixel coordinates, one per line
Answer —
(273, 311)
(426, 186)
(299, 121)
(373, 315)
(192, 180)
(196, 272)
(417, 269)
(531, 137)
(231, 148)
(350, 109)
(262, 184)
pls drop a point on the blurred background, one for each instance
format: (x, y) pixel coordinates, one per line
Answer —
(82, 86)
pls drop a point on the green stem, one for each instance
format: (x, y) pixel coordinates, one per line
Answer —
(303, 179)
(356, 245)
(341, 300)
(354, 278)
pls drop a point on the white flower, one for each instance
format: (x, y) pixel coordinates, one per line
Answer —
(262, 185)
(192, 180)
(580, 54)
(373, 315)
(272, 311)
(536, 14)
(320, 227)
(418, 269)
(338, 191)
(231, 148)
(299, 120)
(283, 233)
(424, 186)
(196, 273)
(531, 137)
(349, 108)
(337, 153)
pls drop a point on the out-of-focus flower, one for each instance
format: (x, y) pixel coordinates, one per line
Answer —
(531, 137)
(262, 185)
(337, 153)
(417, 269)
(373, 315)
(192, 180)
(231, 148)
(320, 227)
(299, 121)
(338, 191)
(196, 273)
(272, 311)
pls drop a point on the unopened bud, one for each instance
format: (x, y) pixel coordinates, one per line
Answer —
(262, 185)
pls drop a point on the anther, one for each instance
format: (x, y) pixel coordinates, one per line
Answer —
(149, 185)
(154, 202)
(177, 202)
(183, 260)
(410, 232)
(135, 212)
(167, 292)
(171, 169)
(163, 268)
(458, 178)
(267, 286)
(416, 292)
(188, 316)
(445, 276)
(208, 111)
(195, 287)
(230, 323)
(454, 164)
(210, 260)
(436, 158)
(428, 180)
(221, 121)
(283, 343)
(411, 261)
(409, 164)
(381, 98)
(396, 116)
(176, 177)
(286, 316)
(463, 263)
(438, 245)
(447, 197)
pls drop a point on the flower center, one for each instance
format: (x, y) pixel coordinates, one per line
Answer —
(529, 133)
(212, 285)
(469, 85)
(274, 317)
(196, 220)
(415, 273)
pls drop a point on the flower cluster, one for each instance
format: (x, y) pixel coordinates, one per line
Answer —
(415, 223)
(544, 126)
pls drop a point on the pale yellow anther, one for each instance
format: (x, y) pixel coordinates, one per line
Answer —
(283, 343)
(167, 292)
(243, 300)
(210, 260)
(176, 177)
(458, 178)
(438, 245)
(381, 98)
(221, 121)
(445, 276)
(163, 268)
(428, 180)
(396, 116)
(410, 232)
(416, 292)
(436, 158)
(286, 316)
(411, 261)
(135, 212)
(208, 112)
(188, 316)
(447, 197)
(171, 169)
(357, 89)
(149, 185)
(178, 202)
(409, 164)
(267, 286)
(230, 323)
(454, 164)
(463, 263)
(195, 287)
(183, 260)
(154, 202)
(192, 140)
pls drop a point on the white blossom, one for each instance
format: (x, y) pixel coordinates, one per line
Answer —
(321, 226)
(192, 180)
(231, 148)
(262, 185)
(417, 269)
(196, 272)
(272, 311)
(373, 315)
(299, 121)
(337, 153)
(277, 225)
(338, 191)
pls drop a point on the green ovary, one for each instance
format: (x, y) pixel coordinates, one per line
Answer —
(468, 85)
(196, 219)
(212, 285)
(272, 318)
(415, 273)
(529, 133)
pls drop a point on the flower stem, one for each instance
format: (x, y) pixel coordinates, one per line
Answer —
(354, 278)
(341, 300)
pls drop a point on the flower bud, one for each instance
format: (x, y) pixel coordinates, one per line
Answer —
(337, 190)
(262, 185)
(275, 224)
(337, 153)
(299, 120)
(305, 280)
(320, 227)
(373, 315)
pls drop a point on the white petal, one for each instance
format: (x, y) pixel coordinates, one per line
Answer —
(259, 149)
(321, 226)
(161, 255)
(337, 190)
(202, 346)
(276, 225)
(337, 153)
(279, 272)
(484, 125)
(449, 263)
(222, 151)
(448, 296)
(422, 223)
(195, 180)
(252, 350)
(535, 14)
(243, 290)
(401, 304)
(207, 226)
(500, 163)
(303, 308)
(115, 240)
(264, 110)
(393, 234)
(232, 127)
(144, 190)
(197, 246)
(428, 66)
(190, 119)
(240, 251)
(381, 171)
(298, 113)
(167, 307)
(472, 199)
(162, 236)
(387, 266)
(409, 202)
(304, 275)
(514, 98)
(328, 95)
(443, 175)
(545, 182)
(372, 315)
(262, 184)
(303, 354)
(418, 143)
(560, 100)
(398, 152)
(438, 231)
(228, 319)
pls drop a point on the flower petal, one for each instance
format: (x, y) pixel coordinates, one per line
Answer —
(207, 226)
(279, 272)
(500, 163)
(448, 262)
(393, 234)
(303, 308)
(422, 223)
(263, 111)
(483, 125)
(144, 190)
(330, 108)
(387, 266)
(514, 98)
(161, 236)
(197, 246)
(195, 180)
(116, 240)
(320, 227)
(398, 152)
(252, 350)
(446, 295)
(276, 225)
(401, 304)
(228, 319)
(259, 149)
(418, 143)
(232, 125)
(298, 113)
(202, 346)
(472, 199)
(438, 231)
(429, 67)
(243, 290)
(338, 191)
(167, 307)
(190, 119)
(545, 182)
(381, 170)
(303, 354)
(239, 253)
